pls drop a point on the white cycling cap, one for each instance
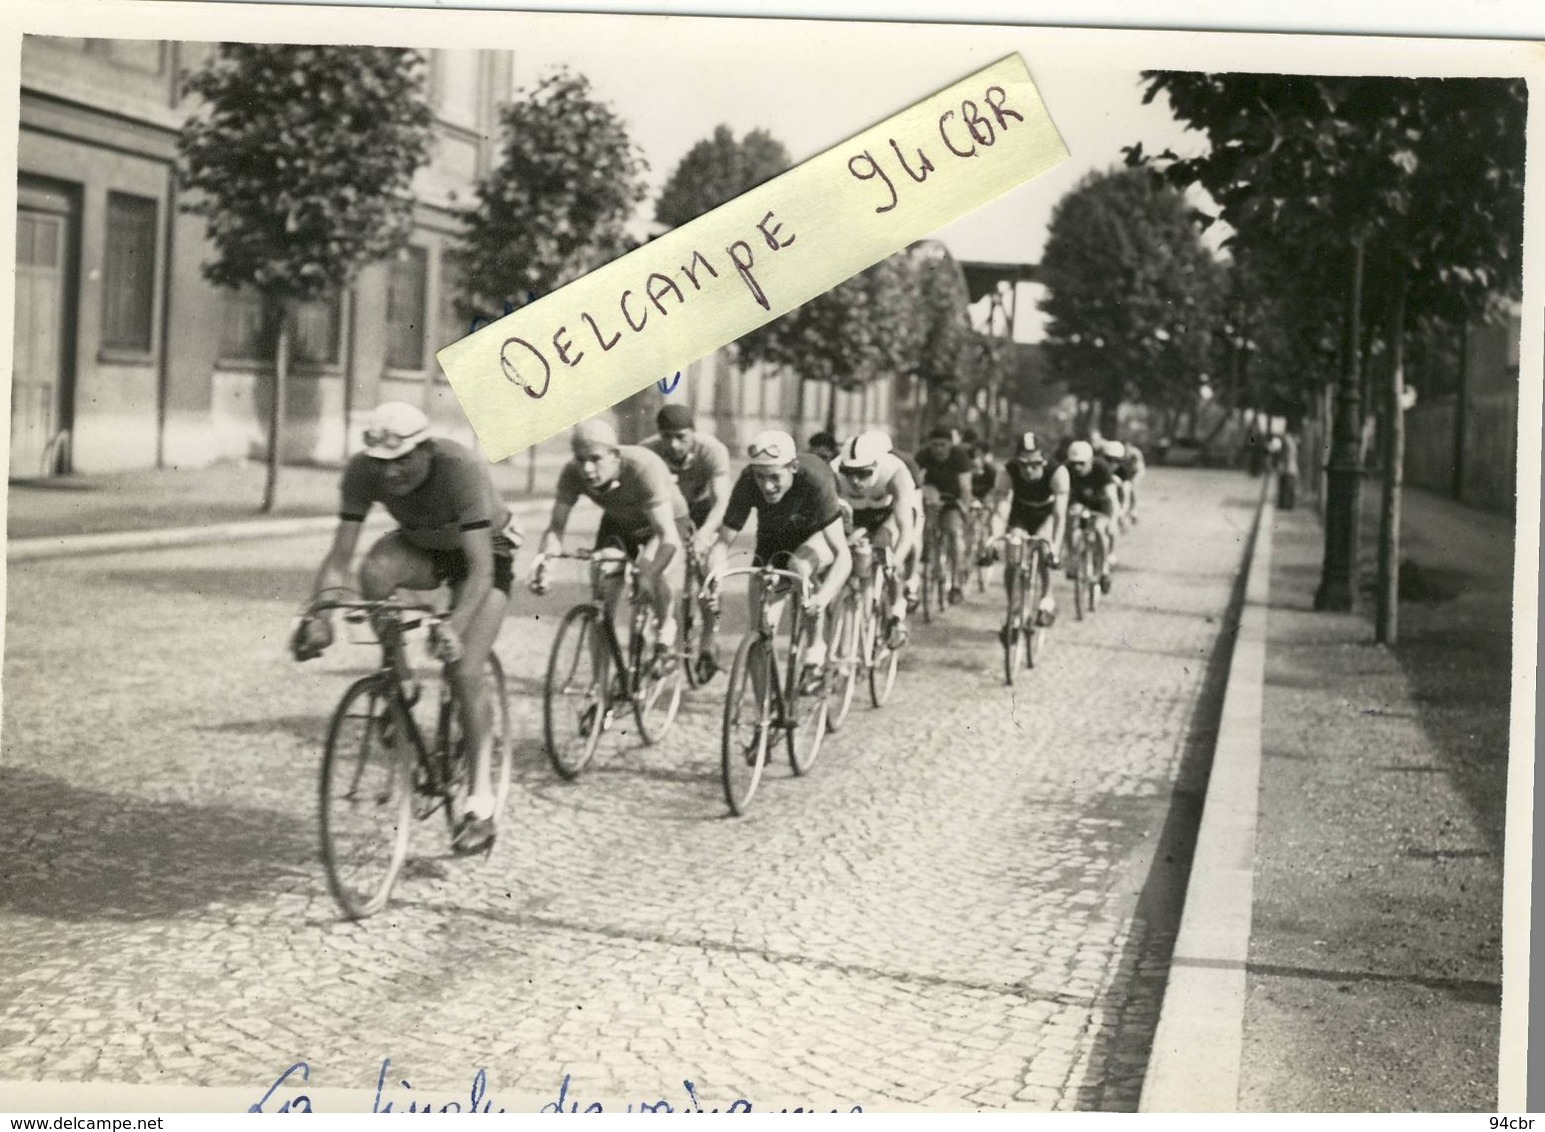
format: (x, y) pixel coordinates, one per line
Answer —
(865, 449)
(1080, 452)
(394, 429)
(594, 431)
(771, 448)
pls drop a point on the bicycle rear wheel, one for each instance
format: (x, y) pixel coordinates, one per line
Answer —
(1080, 577)
(366, 798)
(691, 621)
(747, 723)
(576, 699)
(1093, 557)
(656, 689)
(844, 658)
(805, 714)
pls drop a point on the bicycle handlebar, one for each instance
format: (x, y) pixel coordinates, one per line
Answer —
(713, 579)
(359, 610)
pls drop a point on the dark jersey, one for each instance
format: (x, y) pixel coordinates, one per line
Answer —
(1031, 499)
(458, 495)
(1089, 488)
(708, 459)
(806, 509)
(984, 481)
(943, 472)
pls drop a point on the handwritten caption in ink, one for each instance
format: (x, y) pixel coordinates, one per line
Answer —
(601, 338)
(395, 1098)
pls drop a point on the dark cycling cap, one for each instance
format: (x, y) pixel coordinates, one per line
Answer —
(1029, 443)
(674, 418)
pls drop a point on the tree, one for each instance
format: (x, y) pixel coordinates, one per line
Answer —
(719, 169)
(301, 160)
(949, 357)
(1132, 297)
(1417, 184)
(558, 202)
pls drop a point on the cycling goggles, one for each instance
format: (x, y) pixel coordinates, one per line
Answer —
(766, 451)
(389, 440)
(857, 473)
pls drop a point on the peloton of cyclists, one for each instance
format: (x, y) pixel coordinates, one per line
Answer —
(701, 464)
(1031, 495)
(452, 527)
(880, 491)
(798, 527)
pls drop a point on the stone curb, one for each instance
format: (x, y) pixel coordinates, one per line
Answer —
(1194, 1064)
(71, 546)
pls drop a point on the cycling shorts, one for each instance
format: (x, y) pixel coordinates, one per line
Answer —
(631, 540)
(451, 566)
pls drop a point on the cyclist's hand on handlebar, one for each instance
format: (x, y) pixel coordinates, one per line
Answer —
(445, 642)
(311, 637)
(539, 583)
(1053, 559)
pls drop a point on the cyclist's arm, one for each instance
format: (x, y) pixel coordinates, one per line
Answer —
(1001, 500)
(721, 488)
(1061, 492)
(552, 538)
(664, 546)
(1113, 496)
(334, 571)
(842, 564)
(963, 487)
(905, 505)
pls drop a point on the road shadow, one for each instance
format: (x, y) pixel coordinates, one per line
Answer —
(76, 854)
(1136, 993)
(266, 584)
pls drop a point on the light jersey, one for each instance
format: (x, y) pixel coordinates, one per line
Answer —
(458, 495)
(708, 459)
(642, 483)
(878, 494)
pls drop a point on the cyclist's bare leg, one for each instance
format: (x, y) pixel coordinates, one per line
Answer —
(470, 679)
(775, 616)
(955, 531)
(717, 555)
(663, 593)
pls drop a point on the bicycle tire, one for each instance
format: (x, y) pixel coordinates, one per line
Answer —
(743, 743)
(1037, 590)
(844, 658)
(366, 799)
(1013, 626)
(925, 578)
(1094, 557)
(656, 695)
(572, 655)
(691, 620)
(805, 715)
(1080, 572)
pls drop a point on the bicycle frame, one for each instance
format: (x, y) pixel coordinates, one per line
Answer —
(626, 669)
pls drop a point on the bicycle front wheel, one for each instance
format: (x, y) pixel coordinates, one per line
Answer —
(1014, 626)
(576, 700)
(845, 658)
(747, 723)
(806, 714)
(1036, 632)
(367, 798)
(657, 684)
(1080, 579)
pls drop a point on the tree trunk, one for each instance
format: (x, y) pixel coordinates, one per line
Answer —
(799, 407)
(1387, 617)
(1338, 576)
(831, 410)
(279, 312)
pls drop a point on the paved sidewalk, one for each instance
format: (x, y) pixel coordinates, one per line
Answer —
(1374, 970)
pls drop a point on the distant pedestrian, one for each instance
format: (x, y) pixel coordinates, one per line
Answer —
(1285, 461)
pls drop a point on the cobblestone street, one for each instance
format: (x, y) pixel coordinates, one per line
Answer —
(965, 905)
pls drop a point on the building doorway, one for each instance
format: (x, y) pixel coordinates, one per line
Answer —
(42, 360)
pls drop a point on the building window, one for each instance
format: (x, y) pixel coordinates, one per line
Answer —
(318, 331)
(405, 310)
(128, 273)
(458, 76)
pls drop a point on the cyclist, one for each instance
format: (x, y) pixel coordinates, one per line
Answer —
(1135, 467)
(824, 445)
(1115, 453)
(1032, 496)
(883, 497)
(798, 520)
(946, 468)
(1093, 489)
(984, 482)
(701, 464)
(643, 514)
(452, 527)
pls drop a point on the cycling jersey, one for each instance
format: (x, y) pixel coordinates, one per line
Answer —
(627, 503)
(457, 495)
(1031, 498)
(943, 472)
(707, 459)
(984, 481)
(874, 499)
(1089, 489)
(805, 510)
